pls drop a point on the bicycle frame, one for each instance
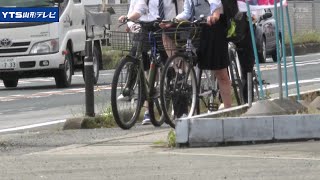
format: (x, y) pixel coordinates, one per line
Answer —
(146, 81)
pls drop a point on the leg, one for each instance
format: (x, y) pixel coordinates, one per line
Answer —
(224, 86)
(146, 66)
(169, 45)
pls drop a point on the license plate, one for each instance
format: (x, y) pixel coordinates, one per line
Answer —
(8, 63)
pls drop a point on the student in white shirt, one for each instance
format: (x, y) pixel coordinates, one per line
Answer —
(243, 41)
(213, 50)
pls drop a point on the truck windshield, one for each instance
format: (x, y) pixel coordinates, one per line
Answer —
(26, 3)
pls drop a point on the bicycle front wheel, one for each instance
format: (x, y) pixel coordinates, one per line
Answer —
(155, 111)
(178, 89)
(126, 99)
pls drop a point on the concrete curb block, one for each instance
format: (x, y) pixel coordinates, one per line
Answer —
(211, 131)
(182, 128)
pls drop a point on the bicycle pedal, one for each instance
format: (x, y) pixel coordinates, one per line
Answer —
(213, 107)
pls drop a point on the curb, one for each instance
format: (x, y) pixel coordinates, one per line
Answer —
(203, 132)
(182, 127)
(213, 129)
(302, 49)
(73, 123)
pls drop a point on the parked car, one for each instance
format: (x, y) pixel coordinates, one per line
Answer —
(266, 36)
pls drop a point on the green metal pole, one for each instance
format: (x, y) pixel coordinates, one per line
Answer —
(277, 49)
(284, 50)
(293, 54)
(254, 45)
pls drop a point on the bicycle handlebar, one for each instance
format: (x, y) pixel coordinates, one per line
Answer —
(174, 22)
(154, 23)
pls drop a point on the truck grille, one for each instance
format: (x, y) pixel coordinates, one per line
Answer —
(16, 47)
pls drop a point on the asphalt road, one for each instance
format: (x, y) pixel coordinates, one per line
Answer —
(38, 101)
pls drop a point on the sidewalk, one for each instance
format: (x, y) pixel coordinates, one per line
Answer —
(135, 156)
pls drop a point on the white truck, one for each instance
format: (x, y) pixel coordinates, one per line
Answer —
(29, 50)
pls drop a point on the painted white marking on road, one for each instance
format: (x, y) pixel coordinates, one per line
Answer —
(289, 64)
(241, 156)
(31, 126)
(51, 93)
(18, 95)
(105, 74)
(272, 86)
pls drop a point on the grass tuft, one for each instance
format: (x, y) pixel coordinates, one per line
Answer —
(305, 37)
(105, 120)
(171, 138)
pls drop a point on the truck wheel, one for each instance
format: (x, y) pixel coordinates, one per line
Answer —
(10, 83)
(96, 65)
(63, 76)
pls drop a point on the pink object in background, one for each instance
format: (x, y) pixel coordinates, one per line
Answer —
(266, 2)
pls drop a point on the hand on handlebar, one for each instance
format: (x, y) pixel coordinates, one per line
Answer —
(122, 19)
(214, 17)
(165, 25)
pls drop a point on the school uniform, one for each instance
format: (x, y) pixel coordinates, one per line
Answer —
(213, 50)
(150, 10)
(244, 44)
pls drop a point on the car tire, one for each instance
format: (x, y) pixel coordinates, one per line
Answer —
(274, 55)
(263, 52)
(10, 83)
(64, 76)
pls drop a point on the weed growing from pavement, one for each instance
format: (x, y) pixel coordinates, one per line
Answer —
(160, 143)
(171, 139)
(104, 120)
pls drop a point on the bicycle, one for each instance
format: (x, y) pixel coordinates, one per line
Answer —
(194, 89)
(129, 85)
(178, 84)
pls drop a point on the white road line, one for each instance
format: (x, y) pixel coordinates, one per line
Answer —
(272, 86)
(241, 156)
(32, 126)
(104, 74)
(50, 93)
(290, 64)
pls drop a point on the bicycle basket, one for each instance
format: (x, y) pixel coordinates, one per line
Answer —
(124, 41)
(178, 38)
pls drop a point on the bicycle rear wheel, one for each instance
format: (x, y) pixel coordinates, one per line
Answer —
(235, 78)
(255, 83)
(208, 96)
(155, 111)
(178, 89)
(126, 93)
